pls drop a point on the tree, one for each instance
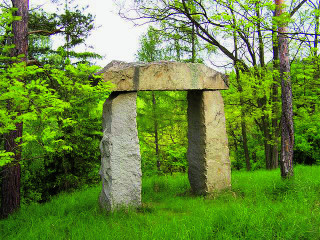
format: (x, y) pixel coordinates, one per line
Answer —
(73, 167)
(212, 24)
(243, 123)
(305, 88)
(74, 23)
(253, 24)
(10, 189)
(287, 131)
(41, 97)
(162, 115)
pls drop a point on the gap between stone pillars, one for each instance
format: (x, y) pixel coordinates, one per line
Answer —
(120, 169)
(208, 152)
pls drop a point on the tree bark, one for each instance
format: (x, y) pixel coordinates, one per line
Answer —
(316, 32)
(243, 124)
(10, 187)
(193, 45)
(275, 100)
(20, 28)
(244, 137)
(266, 132)
(287, 131)
(156, 138)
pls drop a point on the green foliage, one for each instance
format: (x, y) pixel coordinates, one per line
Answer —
(242, 31)
(60, 116)
(150, 46)
(6, 19)
(306, 79)
(305, 82)
(259, 206)
(75, 24)
(40, 45)
(58, 104)
(162, 122)
(28, 100)
(169, 42)
(243, 96)
(305, 87)
(169, 115)
(5, 157)
(74, 159)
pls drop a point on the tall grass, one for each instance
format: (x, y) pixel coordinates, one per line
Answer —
(259, 206)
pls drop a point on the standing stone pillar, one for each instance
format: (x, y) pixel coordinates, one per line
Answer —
(120, 155)
(208, 153)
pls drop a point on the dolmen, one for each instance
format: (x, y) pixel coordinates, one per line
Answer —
(208, 154)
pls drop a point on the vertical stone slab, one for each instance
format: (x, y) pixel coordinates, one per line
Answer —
(196, 143)
(208, 153)
(120, 155)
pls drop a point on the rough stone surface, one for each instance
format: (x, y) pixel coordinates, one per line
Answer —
(208, 153)
(120, 155)
(163, 75)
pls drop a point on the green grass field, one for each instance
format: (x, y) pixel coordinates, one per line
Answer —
(259, 206)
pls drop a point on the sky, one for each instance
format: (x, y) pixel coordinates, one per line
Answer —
(115, 39)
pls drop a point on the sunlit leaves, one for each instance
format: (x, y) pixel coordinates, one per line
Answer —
(5, 157)
(44, 96)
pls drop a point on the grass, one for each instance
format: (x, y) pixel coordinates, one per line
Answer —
(259, 206)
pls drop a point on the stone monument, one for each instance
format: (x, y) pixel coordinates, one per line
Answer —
(208, 153)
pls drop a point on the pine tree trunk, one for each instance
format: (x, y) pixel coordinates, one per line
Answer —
(20, 29)
(10, 187)
(287, 131)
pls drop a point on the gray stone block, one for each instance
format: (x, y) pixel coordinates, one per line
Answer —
(164, 75)
(208, 153)
(120, 155)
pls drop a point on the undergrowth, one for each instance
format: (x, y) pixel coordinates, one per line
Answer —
(259, 206)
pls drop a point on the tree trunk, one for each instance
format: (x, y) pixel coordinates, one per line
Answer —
(156, 138)
(275, 100)
(20, 28)
(316, 32)
(10, 187)
(268, 148)
(264, 127)
(287, 131)
(245, 141)
(243, 123)
(193, 45)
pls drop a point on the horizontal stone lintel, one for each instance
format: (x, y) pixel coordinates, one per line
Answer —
(163, 75)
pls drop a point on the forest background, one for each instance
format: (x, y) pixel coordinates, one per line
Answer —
(53, 93)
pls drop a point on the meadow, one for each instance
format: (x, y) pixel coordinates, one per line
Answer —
(260, 205)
